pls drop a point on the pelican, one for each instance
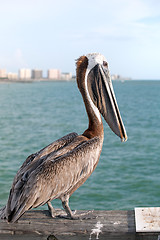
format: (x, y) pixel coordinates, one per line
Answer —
(57, 170)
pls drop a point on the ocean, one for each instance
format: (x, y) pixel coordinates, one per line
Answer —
(32, 115)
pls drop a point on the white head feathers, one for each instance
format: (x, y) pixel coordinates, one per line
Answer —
(94, 59)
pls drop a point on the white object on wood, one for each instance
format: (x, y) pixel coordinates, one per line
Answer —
(147, 219)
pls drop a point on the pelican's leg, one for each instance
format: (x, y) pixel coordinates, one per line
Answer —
(73, 215)
(66, 207)
(65, 204)
(51, 209)
(70, 214)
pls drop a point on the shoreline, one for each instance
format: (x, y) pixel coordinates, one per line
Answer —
(70, 80)
(34, 80)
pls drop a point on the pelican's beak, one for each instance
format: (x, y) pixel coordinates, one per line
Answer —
(106, 100)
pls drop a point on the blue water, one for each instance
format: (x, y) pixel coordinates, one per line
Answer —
(33, 115)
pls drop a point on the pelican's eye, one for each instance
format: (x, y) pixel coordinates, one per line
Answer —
(105, 64)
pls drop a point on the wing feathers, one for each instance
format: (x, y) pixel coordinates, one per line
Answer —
(53, 177)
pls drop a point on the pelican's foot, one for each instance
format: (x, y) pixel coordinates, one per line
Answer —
(70, 214)
(80, 216)
(51, 210)
(54, 213)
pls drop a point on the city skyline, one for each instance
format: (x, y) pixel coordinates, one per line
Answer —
(41, 34)
(52, 74)
(26, 74)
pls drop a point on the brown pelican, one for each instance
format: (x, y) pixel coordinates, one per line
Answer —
(59, 169)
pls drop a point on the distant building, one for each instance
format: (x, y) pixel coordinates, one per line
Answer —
(3, 73)
(37, 74)
(119, 77)
(54, 74)
(24, 74)
(12, 76)
(66, 76)
(115, 77)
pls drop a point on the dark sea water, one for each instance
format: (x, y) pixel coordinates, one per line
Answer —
(32, 115)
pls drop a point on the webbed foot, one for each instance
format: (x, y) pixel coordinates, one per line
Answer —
(80, 216)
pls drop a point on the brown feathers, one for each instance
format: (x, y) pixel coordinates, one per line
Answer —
(82, 64)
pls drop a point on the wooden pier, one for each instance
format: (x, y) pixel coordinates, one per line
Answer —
(103, 225)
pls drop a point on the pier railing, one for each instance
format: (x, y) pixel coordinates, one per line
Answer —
(103, 225)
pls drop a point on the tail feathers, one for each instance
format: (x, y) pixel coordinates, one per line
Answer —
(16, 213)
(18, 207)
(12, 204)
(3, 213)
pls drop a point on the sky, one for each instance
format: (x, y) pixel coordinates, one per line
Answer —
(46, 34)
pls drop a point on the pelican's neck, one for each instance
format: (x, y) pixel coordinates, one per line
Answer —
(95, 127)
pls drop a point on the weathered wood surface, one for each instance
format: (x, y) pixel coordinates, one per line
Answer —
(39, 225)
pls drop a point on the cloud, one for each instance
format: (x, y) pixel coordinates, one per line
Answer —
(126, 20)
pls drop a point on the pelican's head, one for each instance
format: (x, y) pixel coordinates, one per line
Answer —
(94, 82)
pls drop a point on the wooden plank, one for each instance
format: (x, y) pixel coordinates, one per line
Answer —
(110, 225)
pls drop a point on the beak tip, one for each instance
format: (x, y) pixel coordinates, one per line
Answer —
(124, 139)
